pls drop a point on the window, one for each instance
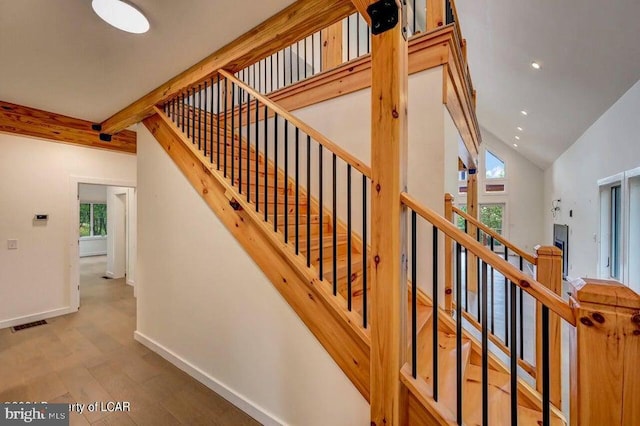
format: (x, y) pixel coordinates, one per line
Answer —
(462, 182)
(93, 220)
(495, 173)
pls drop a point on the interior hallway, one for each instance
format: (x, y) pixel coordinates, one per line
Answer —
(91, 356)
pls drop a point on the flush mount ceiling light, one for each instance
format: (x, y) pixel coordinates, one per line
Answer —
(519, 128)
(517, 138)
(535, 65)
(121, 15)
(515, 145)
(523, 112)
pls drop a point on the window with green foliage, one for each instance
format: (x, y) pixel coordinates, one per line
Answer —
(93, 220)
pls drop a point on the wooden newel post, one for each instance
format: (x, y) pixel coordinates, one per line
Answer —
(549, 273)
(448, 257)
(605, 349)
(389, 83)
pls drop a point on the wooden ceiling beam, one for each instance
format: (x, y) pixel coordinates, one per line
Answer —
(297, 21)
(25, 121)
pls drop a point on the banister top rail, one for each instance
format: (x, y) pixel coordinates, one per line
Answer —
(493, 234)
(528, 284)
(317, 136)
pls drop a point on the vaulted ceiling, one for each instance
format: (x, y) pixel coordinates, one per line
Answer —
(59, 56)
(589, 52)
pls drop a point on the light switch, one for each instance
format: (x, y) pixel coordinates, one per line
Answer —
(12, 244)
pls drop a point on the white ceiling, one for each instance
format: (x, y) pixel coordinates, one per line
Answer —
(590, 56)
(59, 56)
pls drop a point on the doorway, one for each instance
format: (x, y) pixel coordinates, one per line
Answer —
(104, 236)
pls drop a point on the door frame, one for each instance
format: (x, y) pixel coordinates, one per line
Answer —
(74, 231)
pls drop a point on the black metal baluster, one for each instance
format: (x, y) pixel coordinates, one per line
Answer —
(272, 75)
(188, 129)
(298, 60)
(240, 94)
(313, 53)
(348, 38)
(459, 378)
(320, 210)
(304, 44)
(297, 207)
(226, 127)
(485, 349)
(249, 147)
(506, 305)
(193, 116)
(514, 358)
(275, 175)
(233, 135)
(308, 201)
(260, 76)
(182, 112)
(335, 227)
(414, 297)
(349, 236)
(491, 245)
(358, 35)
(266, 158)
(211, 124)
(415, 15)
(199, 117)
(478, 286)
(218, 107)
(434, 314)
(521, 318)
(286, 181)
(364, 251)
(204, 112)
(546, 390)
(257, 165)
(466, 272)
(291, 64)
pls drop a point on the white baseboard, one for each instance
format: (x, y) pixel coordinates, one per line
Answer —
(109, 274)
(36, 317)
(221, 389)
(132, 283)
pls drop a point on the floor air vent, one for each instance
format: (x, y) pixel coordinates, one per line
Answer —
(29, 325)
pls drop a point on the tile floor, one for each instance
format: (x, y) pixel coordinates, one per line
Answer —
(91, 356)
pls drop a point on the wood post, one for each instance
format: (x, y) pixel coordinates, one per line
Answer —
(435, 14)
(605, 346)
(472, 210)
(448, 256)
(549, 273)
(389, 59)
(331, 46)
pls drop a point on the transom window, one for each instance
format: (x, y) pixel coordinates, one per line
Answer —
(495, 173)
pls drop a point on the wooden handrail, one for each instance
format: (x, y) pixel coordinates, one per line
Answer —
(493, 234)
(317, 136)
(510, 272)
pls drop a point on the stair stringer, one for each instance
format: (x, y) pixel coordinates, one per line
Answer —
(335, 328)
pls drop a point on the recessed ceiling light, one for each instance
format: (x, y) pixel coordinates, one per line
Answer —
(523, 112)
(515, 145)
(519, 128)
(517, 138)
(121, 15)
(535, 65)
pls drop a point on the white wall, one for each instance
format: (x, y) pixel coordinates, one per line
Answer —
(609, 146)
(523, 224)
(92, 246)
(203, 303)
(35, 279)
(120, 216)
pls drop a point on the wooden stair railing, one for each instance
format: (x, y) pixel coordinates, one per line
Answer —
(548, 268)
(478, 383)
(211, 133)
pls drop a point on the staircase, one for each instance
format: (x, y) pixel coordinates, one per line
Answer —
(263, 185)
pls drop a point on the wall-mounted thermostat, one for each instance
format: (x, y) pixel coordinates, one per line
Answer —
(41, 217)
